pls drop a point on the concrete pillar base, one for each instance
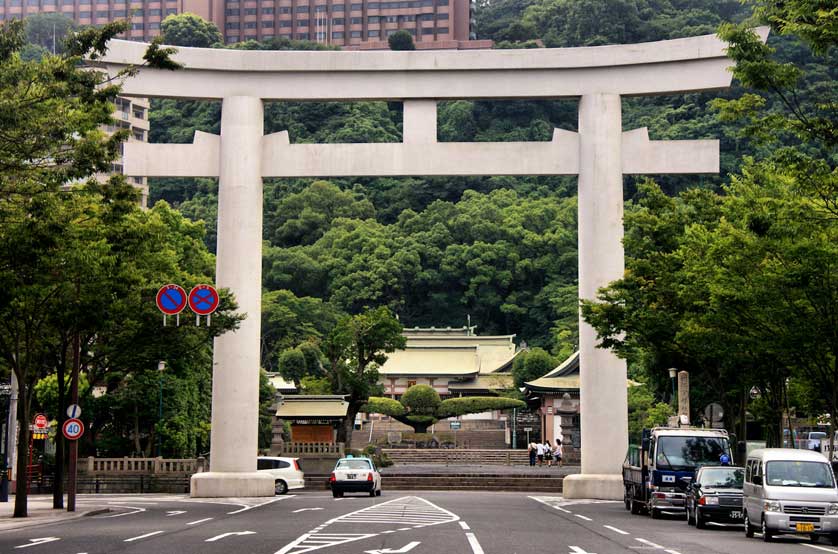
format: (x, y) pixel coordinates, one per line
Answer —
(217, 484)
(597, 486)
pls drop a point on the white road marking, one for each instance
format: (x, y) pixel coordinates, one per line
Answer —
(408, 510)
(175, 513)
(136, 509)
(825, 549)
(200, 521)
(620, 531)
(464, 525)
(577, 550)
(132, 539)
(649, 543)
(271, 501)
(475, 546)
(306, 510)
(542, 500)
(672, 551)
(407, 548)
(586, 518)
(36, 542)
(234, 533)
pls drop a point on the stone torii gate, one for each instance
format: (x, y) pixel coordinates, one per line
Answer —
(600, 153)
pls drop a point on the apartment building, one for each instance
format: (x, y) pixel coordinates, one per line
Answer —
(131, 114)
(351, 24)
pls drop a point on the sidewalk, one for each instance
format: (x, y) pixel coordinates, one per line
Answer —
(41, 512)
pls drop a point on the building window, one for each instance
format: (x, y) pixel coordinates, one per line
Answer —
(337, 21)
(284, 23)
(428, 31)
(285, 9)
(63, 2)
(441, 16)
(302, 9)
(267, 37)
(31, 2)
(170, 11)
(137, 12)
(267, 11)
(426, 17)
(103, 14)
(302, 22)
(230, 11)
(84, 2)
(356, 7)
(137, 26)
(321, 8)
(442, 30)
(139, 113)
(230, 25)
(155, 11)
(119, 13)
(337, 34)
(411, 384)
(373, 5)
(373, 19)
(356, 20)
(355, 34)
(231, 39)
(441, 2)
(372, 33)
(250, 25)
(302, 36)
(250, 11)
(338, 8)
(267, 24)
(283, 35)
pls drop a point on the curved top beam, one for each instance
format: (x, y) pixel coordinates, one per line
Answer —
(679, 65)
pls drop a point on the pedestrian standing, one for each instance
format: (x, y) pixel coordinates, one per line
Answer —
(539, 453)
(557, 453)
(531, 450)
(548, 453)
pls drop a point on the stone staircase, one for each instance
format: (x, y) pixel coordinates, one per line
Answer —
(473, 482)
(457, 456)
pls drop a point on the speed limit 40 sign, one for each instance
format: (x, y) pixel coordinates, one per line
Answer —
(73, 429)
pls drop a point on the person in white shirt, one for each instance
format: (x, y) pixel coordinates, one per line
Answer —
(539, 451)
(557, 453)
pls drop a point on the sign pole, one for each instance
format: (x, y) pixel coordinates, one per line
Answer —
(74, 445)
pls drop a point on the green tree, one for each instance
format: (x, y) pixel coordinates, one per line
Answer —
(531, 365)
(401, 40)
(49, 30)
(188, 29)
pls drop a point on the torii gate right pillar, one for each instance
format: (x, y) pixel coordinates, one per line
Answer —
(603, 403)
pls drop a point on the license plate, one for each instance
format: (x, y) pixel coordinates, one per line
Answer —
(736, 515)
(805, 527)
(351, 475)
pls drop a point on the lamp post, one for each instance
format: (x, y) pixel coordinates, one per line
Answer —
(161, 365)
(673, 373)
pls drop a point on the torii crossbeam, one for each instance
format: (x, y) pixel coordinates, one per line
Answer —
(600, 153)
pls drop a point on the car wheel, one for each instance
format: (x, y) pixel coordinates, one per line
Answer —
(749, 530)
(699, 522)
(833, 538)
(627, 500)
(280, 487)
(767, 535)
(656, 514)
(636, 508)
(378, 492)
(372, 493)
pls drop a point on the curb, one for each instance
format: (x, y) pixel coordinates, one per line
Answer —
(22, 523)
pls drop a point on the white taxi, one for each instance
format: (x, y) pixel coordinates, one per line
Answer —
(286, 472)
(353, 474)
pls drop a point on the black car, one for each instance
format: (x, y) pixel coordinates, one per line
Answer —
(715, 495)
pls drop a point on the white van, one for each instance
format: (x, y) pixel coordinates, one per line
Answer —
(790, 491)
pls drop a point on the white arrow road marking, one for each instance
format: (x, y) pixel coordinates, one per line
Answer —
(175, 513)
(306, 510)
(42, 540)
(136, 509)
(132, 539)
(222, 535)
(407, 548)
(577, 550)
(271, 501)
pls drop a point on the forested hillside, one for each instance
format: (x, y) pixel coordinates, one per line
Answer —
(501, 249)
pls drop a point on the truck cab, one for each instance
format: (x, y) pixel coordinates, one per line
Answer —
(656, 473)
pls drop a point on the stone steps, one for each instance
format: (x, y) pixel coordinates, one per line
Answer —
(458, 482)
(449, 456)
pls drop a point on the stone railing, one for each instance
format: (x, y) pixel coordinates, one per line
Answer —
(312, 449)
(146, 466)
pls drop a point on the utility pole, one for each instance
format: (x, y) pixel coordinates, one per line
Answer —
(74, 444)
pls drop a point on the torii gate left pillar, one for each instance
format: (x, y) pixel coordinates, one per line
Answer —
(600, 154)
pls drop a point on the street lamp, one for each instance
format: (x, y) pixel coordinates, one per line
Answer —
(161, 366)
(673, 373)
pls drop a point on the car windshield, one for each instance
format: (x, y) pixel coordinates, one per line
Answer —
(722, 478)
(353, 464)
(684, 453)
(799, 474)
(817, 435)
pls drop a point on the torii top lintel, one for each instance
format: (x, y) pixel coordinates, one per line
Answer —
(669, 66)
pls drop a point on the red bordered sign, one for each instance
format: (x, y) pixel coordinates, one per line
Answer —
(73, 429)
(203, 299)
(171, 299)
